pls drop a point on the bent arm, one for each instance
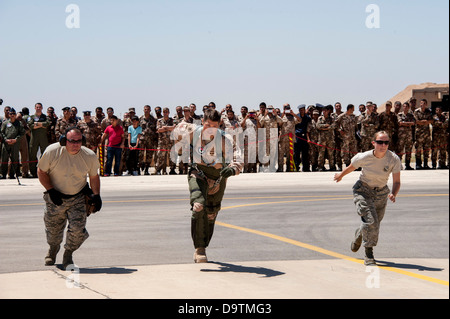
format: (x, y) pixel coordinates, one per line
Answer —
(338, 176)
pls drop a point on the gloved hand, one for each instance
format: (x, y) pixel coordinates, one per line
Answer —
(55, 196)
(97, 202)
(227, 172)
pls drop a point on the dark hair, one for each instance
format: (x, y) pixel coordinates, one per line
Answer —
(424, 100)
(26, 111)
(262, 104)
(113, 117)
(211, 115)
(350, 106)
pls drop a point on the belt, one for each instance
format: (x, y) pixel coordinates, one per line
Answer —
(372, 188)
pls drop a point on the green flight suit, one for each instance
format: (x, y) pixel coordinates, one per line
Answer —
(11, 130)
(38, 139)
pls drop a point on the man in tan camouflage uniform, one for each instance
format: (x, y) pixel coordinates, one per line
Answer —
(369, 126)
(164, 126)
(270, 120)
(326, 126)
(250, 125)
(338, 154)
(424, 118)
(389, 123)
(91, 130)
(63, 123)
(313, 139)
(149, 139)
(66, 192)
(347, 125)
(290, 119)
(51, 136)
(405, 142)
(439, 139)
(99, 116)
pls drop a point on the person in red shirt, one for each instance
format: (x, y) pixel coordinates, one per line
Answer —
(115, 135)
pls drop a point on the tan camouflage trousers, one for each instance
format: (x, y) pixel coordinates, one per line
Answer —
(423, 146)
(163, 157)
(250, 155)
(284, 149)
(439, 147)
(349, 149)
(146, 156)
(371, 206)
(405, 145)
(73, 211)
(314, 154)
(366, 143)
(327, 146)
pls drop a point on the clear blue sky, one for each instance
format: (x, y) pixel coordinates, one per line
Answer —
(173, 52)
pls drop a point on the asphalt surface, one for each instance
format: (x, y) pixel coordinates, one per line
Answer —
(278, 236)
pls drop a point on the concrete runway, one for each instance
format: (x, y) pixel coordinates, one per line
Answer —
(278, 235)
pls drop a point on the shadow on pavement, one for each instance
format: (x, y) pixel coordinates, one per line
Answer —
(382, 263)
(225, 267)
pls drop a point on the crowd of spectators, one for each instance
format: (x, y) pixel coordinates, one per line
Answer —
(314, 138)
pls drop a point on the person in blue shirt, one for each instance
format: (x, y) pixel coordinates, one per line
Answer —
(301, 146)
(134, 135)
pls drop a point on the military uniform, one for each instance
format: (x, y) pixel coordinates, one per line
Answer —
(148, 141)
(338, 143)
(270, 122)
(389, 124)
(313, 140)
(287, 132)
(51, 134)
(38, 139)
(439, 141)
(369, 126)
(423, 137)
(405, 137)
(92, 132)
(206, 181)
(72, 189)
(126, 151)
(164, 146)
(62, 125)
(348, 125)
(326, 126)
(11, 130)
(250, 127)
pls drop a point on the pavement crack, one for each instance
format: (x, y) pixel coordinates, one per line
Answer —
(72, 283)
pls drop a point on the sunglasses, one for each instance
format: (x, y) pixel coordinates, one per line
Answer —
(75, 141)
(382, 142)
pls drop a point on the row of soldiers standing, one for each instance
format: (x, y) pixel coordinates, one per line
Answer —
(325, 134)
(411, 130)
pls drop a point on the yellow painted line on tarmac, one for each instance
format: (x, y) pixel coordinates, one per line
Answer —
(322, 250)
